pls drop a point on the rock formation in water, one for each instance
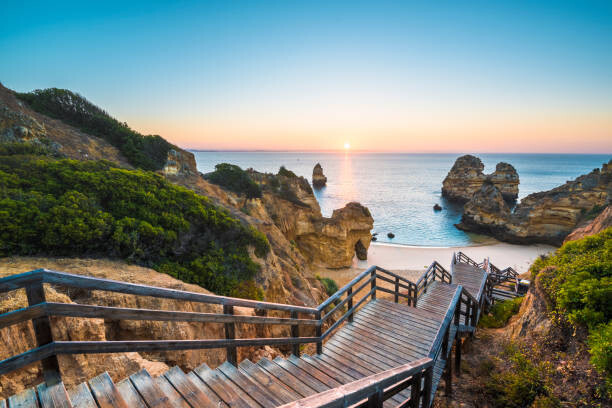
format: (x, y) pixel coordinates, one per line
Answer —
(318, 178)
(466, 177)
(545, 217)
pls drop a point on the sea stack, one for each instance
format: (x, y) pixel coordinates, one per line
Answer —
(318, 178)
(466, 177)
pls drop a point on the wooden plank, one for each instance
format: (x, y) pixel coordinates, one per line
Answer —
(25, 399)
(357, 357)
(386, 344)
(190, 392)
(174, 398)
(197, 381)
(375, 349)
(3, 404)
(321, 376)
(266, 398)
(291, 381)
(328, 369)
(353, 370)
(407, 311)
(149, 390)
(81, 397)
(303, 375)
(405, 323)
(129, 394)
(268, 381)
(412, 337)
(105, 392)
(232, 395)
(54, 396)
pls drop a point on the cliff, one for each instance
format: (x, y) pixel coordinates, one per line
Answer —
(600, 223)
(545, 217)
(466, 177)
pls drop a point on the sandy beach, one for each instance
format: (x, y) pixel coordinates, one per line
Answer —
(410, 261)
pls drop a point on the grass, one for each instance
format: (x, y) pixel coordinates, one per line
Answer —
(500, 313)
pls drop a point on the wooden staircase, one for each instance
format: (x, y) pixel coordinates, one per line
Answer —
(380, 352)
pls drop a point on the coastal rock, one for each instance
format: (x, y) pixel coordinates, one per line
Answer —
(437, 207)
(391, 235)
(600, 223)
(180, 163)
(318, 178)
(466, 177)
(545, 217)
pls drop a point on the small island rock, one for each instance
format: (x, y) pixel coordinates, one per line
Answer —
(391, 235)
(318, 178)
(437, 207)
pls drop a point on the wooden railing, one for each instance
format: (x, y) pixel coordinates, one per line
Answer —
(498, 276)
(371, 391)
(435, 270)
(463, 258)
(39, 312)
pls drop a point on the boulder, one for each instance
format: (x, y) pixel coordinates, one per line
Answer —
(437, 207)
(318, 178)
(545, 217)
(466, 177)
(391, 235)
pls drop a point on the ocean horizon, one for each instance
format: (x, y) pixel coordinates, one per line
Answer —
(400, 189)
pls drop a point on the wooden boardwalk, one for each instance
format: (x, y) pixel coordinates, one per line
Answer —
(383, 335)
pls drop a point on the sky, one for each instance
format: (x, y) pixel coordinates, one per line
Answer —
(410, 76)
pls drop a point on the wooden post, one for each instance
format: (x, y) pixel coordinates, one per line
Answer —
(415, 390)
(474, 315)
(458, 312)
(445, 344)
(448, 378)
(349, 292)
(427, 387)
(458, 356)
(318, 333)
(295, 332)
(396, 290)
(373, 285)
(376, 400)
(42, 330)
(230, 334)
(467, 312)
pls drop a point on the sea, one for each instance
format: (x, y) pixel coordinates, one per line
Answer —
(401, 189)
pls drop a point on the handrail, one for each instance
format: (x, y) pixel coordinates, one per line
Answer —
(461, 257)
(374, 388)
(39, 312)
(434, 270)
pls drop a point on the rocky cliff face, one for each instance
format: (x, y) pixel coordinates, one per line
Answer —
(318, 178)
(600, 223)
(545, 217)
(466, 177)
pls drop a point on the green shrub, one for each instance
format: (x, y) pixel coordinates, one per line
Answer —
(523, 383)
(145, 152)
(329, 285)
(500, 313)
(72, 208)
(234, 179)
(577, 280)
(283, 171)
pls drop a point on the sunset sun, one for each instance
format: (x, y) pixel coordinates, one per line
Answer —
(347, 145)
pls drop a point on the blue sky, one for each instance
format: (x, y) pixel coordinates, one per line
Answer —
(410, 76)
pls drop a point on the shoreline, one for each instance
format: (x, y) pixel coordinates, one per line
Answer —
(459, 247)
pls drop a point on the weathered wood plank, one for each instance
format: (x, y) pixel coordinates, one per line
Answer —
(105, 392)
(303, 375)
(25, 399)
(268, 381)
(150, 392)
(266, 398)
(129, 394)
(189, 391)
(314, 372)
(197, 381)
(175, 399)
(54, 396)
(81, 397)
(233, 396)
(291, 381)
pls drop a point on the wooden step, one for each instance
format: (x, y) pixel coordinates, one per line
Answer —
(54, 396)
(229, 393)
(25, 399)
(189, 391)
(129, 394)
(105, 392)
(81, 397)
(262, 395)
(150, 391)
(268, 381)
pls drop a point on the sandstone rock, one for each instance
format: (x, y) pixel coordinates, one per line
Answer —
(600, 223)
(180, 163)
(545, 217)
(466, 177)
(318, 178)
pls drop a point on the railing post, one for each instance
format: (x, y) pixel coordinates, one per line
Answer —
(373, 284)
(396, 290)
(376, 400)
(458, 312)
(474, 314)
(467, 312)
(458, 355)
(35, 293)
(445, 344)
(448, 378)
(230, 334)
(415, 390)
(295, 332)
(349, 292)
(427, 387)
(318, 333)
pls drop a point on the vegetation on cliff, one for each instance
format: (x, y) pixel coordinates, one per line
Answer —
(145, 152)
(72, 208)
(234, 179)
(577, 281)
(500, 313)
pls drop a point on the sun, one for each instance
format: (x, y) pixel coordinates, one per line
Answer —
(347, 145)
